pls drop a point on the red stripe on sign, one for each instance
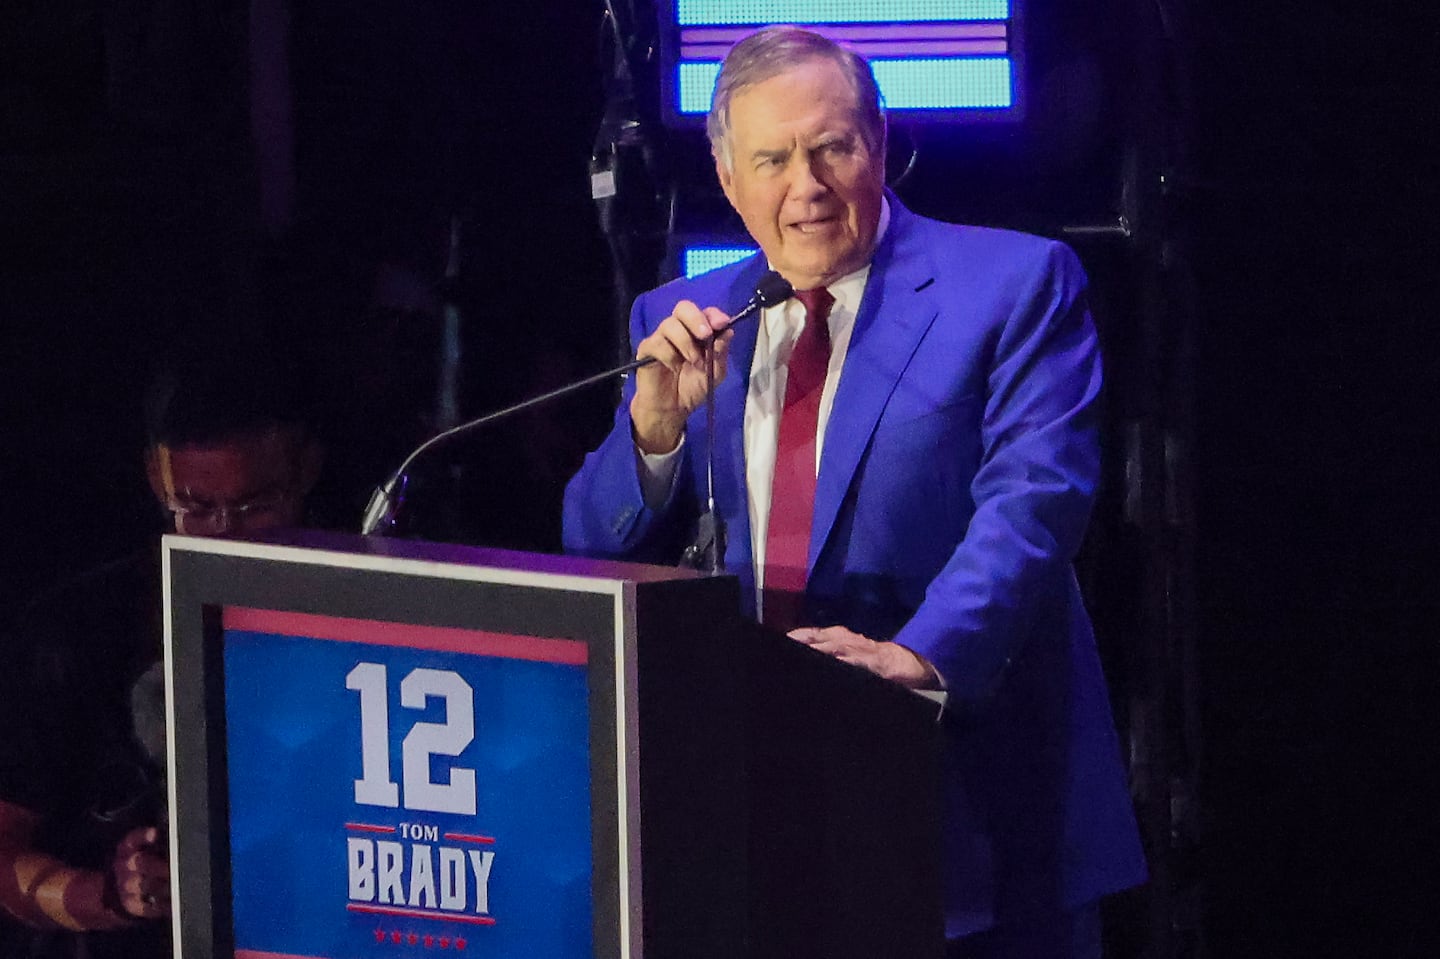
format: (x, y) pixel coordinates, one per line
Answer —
(363, 827)
(378, 633)
(461, 837)
(421, 914)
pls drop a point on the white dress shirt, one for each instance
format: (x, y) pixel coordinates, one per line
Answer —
(780, 327)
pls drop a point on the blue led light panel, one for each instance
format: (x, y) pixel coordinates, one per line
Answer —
(703, 259)
(943, 57)
(695, 12)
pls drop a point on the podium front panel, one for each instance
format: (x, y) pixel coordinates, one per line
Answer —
(382, 755)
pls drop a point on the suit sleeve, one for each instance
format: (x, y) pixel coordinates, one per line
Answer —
(605, 515)
(1033, 490)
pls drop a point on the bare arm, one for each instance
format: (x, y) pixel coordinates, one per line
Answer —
(44, 892)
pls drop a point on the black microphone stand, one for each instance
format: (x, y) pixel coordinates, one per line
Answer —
(383, 510)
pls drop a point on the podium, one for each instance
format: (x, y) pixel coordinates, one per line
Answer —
(384, 748)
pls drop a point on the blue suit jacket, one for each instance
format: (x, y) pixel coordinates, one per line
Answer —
(959, 466)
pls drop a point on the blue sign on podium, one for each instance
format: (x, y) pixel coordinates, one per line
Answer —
(399, 789)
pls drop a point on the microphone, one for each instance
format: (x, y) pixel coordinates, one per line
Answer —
(771, 289)
(383, 510)
(147, 720)
(707, 551)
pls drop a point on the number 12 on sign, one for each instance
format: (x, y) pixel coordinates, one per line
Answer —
(375, 787)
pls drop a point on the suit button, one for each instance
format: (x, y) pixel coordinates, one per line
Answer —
(622, 519)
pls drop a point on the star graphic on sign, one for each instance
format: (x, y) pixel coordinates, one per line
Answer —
(429, 940)
(395, 936)
(412, 939)
(379, 935)
(459, 943)
(444, 942)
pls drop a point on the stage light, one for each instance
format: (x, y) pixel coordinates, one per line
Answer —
(935, 61)
(703, 259)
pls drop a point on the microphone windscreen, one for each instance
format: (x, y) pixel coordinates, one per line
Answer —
(147, 717)
(773, 288)
(147, 713)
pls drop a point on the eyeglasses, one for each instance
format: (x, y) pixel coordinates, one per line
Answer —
(209, 519)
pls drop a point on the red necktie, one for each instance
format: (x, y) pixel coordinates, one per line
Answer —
(792, 490)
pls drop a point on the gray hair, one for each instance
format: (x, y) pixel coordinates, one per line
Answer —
(772, 51)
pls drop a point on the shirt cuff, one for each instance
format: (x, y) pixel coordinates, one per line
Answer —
(656, 472)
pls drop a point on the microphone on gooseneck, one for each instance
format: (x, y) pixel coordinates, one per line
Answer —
(383, 510)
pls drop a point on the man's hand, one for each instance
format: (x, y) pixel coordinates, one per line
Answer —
(888, 660)
(670, 389)
(142, 874)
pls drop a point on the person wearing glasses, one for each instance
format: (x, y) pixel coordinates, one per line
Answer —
(83, 864)
(245, 471)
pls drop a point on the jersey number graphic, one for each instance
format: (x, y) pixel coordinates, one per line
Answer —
(375, 787)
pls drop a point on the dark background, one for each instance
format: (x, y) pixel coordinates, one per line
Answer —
(1262, 565)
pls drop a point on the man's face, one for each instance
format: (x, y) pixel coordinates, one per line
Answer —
(804, 182)
(245, 483)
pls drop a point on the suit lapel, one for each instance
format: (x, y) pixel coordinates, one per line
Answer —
(895, 311)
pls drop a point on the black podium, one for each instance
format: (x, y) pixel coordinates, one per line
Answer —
(391, 748)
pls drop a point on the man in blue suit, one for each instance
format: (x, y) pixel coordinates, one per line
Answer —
(955, 460)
